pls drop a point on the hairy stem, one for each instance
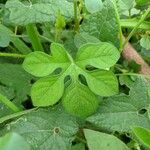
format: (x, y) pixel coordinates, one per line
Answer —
(9, 104)
(76, 20)
(137, 26)
(12, 55)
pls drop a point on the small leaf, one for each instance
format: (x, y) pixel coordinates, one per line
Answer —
(103, 83)
(145, 42)
(79, 100)
(13, 141)
(93, 6)
(102, 55)
(98, 140)
(143, 135)
(47, 91)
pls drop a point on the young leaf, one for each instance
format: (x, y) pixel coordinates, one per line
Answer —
(47, 91)
(119, 113)
(143, 135)
(38, 12)
(100, 55)
(93, 6)
(78, 96)
(98, 140)
(13, 141)
(46, 129)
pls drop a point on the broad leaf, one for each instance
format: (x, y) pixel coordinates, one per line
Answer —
(46, 129)
(47, 91)
(13, 141)
(14, 77)
(143, 135)
(38, 11)
(93, 5)
(79, 96)
(119, 113)
(98, 140)
(83, 38)
(103, 24)
(100, 55)
(4, 38)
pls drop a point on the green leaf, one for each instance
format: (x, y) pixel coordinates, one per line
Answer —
(102, 83)
(79, 96)
(103, 24)
(98, 140)
(46, 129)
(93, 5)
(145, 42)
(38, 11)
(83, 38)
(6, 36)
(125, 5)
(79, 146)
(143, 135)
(119, 113)
(47, 91)
(14, 77)
(100, 55)
(41, 64)
(13, 141)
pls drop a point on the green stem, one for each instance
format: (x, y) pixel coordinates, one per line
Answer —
(45, 38)
(120, 29)
(34, 37)
(9, 104)
(76, 16)
(12, 55)
(17, 114)
(81, 140)
(131, 23)
(132, 74)
(137, 26)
